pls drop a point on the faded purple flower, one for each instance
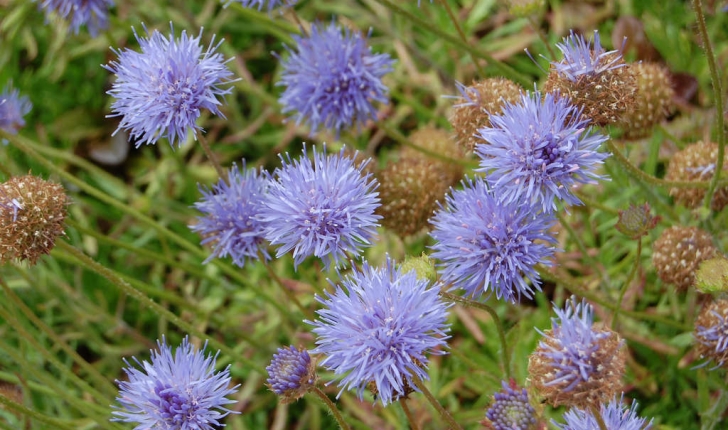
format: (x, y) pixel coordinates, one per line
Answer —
(485, 245)
(175, 391)
(615, 416)
(378, 326)
(537, 150)
(92, 13)
(332, 78)
(580, 58)
(161, 90)
(259, 4)
(323, 208)
(230, 211)
(13, 107)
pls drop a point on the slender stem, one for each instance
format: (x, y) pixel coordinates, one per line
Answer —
(627, 282)
(459, 29)
(212, 157)
(306, 312)
(331, 407)
(598, 417)
(408, 413)
(493, 314)
(17, 407)
(718, 93)
(451, 423)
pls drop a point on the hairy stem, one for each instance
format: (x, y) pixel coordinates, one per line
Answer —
(331, 407)
(451, 423)
(627, 281)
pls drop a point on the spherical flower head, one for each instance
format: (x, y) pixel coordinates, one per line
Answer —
(577, 364)
(332, 79)
(581, 58)
(13, 108)
(678, 252)
(259, 4)
(176, 391)
(291, 374)
(485, 245)
(614, 415)
(323, 208)
(538, 150)
(92, 13)
(378, 326)
(230, 222)
(653, 99)
(696, 162)
(711, 332)
(511, 410)
(161, 90)
(32, 214)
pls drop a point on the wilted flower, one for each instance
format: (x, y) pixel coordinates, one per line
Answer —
(230, 222)
(13, 107)
(325, 208)
(161, 90)
(92, 13)
(176, 391)
(538, 150)
(577, 364)
(678, 252)
(259, 4)
(511, 410)
(711, 332)
(291, 373)
(697, 162)
(378, 327)
(653, 99)
(485, 245)
(614, 415)
(332, 79)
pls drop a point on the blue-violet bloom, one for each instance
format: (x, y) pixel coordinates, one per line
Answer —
(537, 150)
(580, 58)
(291, 373)
(13, 107)
(485, 245)
(511, 409)
(258, 4)
(378, 326)
(161, 90)
(614, 415)
(92, 13)
(175, 391)
(230, 211)
(323, 208)
(332, 79)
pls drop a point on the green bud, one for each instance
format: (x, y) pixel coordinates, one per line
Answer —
(712, 275)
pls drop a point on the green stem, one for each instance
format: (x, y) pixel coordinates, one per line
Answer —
(17, 407)
(408, 413)
(627, 282)
(493, 314)
(459, 29)
(451, 423)
(331, 407)
(718, 93)
(211, 156)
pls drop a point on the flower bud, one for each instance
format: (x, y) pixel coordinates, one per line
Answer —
(636, 221)
(712, 275)
(291, 374)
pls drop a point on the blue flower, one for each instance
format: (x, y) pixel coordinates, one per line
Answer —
(291, 373)
(615, 416)
(230, 211)
(485, 245)
(580, 58)
(511, 409)
(378, 326)
(332, 79)
(536, 151)
(258, 4)
(325, 208)
(176, 391)
(13, 107)
(92, 13)
(161, 90)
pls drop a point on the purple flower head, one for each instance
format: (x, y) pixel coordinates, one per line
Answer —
(711, 333)
(484, 245)
(378, 326)
(323, 208)
(332, 78)
(230, 211)
(615, 416)
(537, 150)
(161, 90)
(511, 410)
(291, 373)
(92, 13)
(176, 391)
(13, 107)
(258, 4)
(580, 58)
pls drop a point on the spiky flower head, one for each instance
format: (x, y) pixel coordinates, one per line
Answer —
(378, 327)
(577, 364)
(538, 150)
(653, 99)
(291, 373)
(697, 163)
(597, 81)
(177, 390)
(511, 410)
(161, 91)
(614, 415)
(94, 14)
(678, 252)
(636, 221)
(259, 4)
(13, 108)
(484, 245)
(230, 222)
(332, 79)
(32, 214)
(323, 208)
(476, 104)
(711, 332)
